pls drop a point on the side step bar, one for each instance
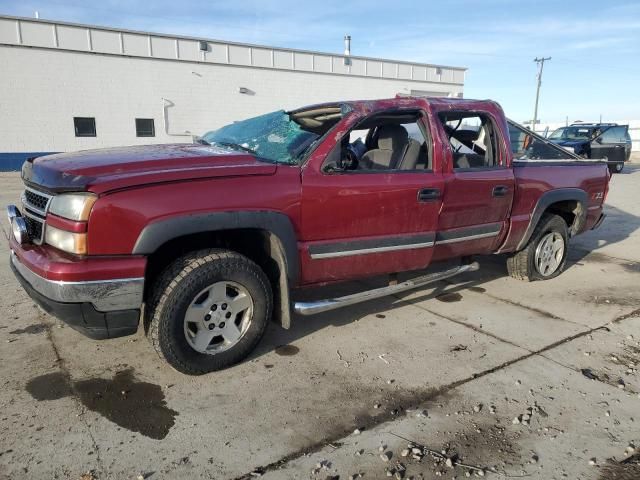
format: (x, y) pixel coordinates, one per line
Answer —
(319, 306)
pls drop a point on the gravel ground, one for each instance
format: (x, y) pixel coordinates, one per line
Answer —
(480, 376)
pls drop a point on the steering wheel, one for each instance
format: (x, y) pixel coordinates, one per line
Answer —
(348, 160)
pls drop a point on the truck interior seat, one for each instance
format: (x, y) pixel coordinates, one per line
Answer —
(415, 157)
(393, 141)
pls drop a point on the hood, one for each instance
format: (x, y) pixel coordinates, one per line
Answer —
(113, 168)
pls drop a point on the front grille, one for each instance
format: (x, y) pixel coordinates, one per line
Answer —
(34, 228)
(35, 199)
(36, 205)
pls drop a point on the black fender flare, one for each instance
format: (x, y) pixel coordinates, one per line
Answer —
(549, 198)
(156, 234)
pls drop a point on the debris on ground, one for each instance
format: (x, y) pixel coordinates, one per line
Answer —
(525, 418)
(589, 374)
(459, 348)
(346, 364)
(321, 465)
(442, 458)
(386, 456)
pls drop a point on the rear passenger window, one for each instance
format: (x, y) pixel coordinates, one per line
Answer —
(527, 146)
(472, 138)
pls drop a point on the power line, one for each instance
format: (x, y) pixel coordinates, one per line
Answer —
(540, 62)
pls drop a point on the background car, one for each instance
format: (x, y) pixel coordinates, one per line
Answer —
(596, 140)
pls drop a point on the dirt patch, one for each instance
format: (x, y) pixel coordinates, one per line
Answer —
(131, 404)
(615, 380)
(620, 297)
(628, 469)
(449, 297)
(629, 358)
(31, 329)
(483, 445)
(287, 350)
(629, 266)
(479, 447)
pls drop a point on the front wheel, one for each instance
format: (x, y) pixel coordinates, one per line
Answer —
(545, 255)
(208, 310)
(616, 167)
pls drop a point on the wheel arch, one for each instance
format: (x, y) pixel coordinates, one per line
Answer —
(268, 238)
(569, 203)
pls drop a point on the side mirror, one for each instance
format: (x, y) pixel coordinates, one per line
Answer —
(599, 140)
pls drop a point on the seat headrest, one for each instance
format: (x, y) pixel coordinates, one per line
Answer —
(392, 137)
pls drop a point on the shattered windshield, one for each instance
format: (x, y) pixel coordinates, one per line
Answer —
(274, 137)
(571, 133)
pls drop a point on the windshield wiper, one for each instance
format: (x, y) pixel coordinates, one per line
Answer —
(236, 146)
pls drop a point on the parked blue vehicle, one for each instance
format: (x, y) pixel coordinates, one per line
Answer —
(608, 141)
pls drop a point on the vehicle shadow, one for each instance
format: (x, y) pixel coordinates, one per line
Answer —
(490, 268)
(616, 227)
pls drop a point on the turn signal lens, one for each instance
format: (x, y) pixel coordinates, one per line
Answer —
(67, 241)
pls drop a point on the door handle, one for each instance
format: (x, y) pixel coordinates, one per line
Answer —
(428, 194)
(500, 191)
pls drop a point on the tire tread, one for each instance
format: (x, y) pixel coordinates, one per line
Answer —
(161, 304)
(519, 264)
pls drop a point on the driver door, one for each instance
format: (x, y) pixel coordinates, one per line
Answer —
(362, 216)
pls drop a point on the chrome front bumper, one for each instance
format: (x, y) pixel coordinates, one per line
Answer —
(104, 295)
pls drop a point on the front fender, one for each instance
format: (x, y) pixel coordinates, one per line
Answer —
(156, 234)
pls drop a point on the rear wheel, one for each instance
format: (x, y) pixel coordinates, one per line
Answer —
(208, 310)
(545, 255)
(616, 167)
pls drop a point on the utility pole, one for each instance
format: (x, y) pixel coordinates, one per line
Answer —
(540, 62)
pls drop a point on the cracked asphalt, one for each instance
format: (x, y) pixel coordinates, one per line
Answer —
(509, 379)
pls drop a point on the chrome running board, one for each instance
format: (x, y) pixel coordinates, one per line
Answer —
(319, 306)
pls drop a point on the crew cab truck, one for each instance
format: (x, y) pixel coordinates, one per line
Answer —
(210, 240)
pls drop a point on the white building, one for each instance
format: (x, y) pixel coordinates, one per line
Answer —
(67, 87)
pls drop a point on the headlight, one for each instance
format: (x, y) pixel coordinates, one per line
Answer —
(74, 206)
(67, 241)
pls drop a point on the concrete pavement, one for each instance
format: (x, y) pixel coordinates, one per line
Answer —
(70, 405)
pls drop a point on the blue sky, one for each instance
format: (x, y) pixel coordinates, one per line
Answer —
(594, 45)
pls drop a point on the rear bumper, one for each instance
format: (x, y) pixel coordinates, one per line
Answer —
(99, 309)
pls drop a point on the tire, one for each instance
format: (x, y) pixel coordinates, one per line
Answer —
(189, 289)
(616, 167)
(522, 265)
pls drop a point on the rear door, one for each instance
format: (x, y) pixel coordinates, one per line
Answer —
(370, 205)
(479, 185)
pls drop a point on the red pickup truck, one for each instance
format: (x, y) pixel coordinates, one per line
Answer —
(213, 238)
